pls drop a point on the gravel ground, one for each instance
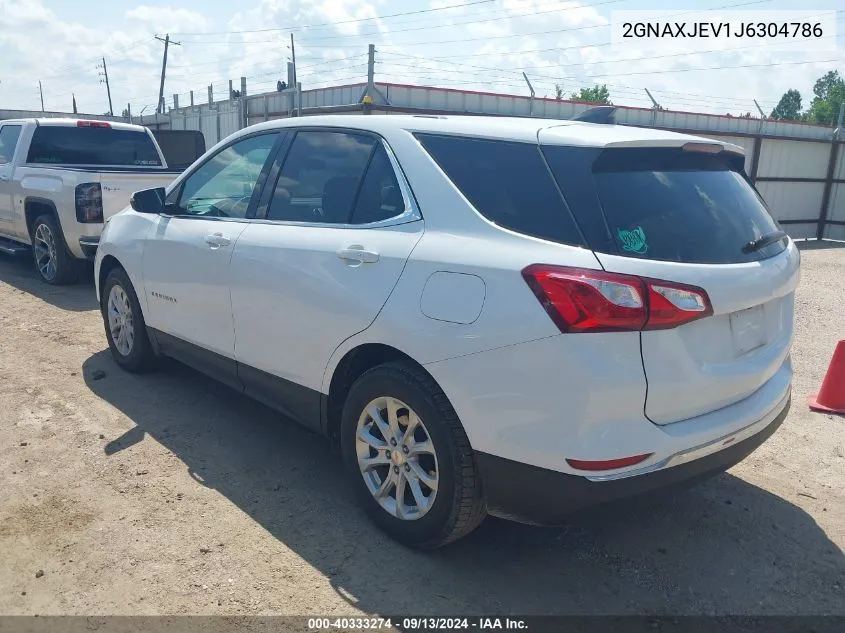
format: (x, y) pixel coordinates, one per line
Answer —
(169, 494)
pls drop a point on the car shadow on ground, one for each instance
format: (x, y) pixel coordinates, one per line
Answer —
(726, 547)
(19, 272)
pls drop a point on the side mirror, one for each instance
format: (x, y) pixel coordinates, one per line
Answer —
(148, 200)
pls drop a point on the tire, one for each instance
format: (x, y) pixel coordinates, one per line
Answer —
(457, 507)
(53, 263)
(132, 349)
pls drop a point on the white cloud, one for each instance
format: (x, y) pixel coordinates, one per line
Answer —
(479, 47)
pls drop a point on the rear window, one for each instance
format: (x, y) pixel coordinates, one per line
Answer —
(53, 145)
(180, 147)
(508, 183)
(672, 205)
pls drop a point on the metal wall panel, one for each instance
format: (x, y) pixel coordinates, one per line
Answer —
(801, 231)
(839, 173)
(792, 200)
(38, 114)
(793, 159)
(834, 232)
(836, 205)
(208, 127)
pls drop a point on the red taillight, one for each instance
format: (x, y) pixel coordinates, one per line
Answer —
(93, 124)
(584, 300)
(89, 203)
(607, 464)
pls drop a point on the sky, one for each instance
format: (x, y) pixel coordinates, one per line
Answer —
(484, 45)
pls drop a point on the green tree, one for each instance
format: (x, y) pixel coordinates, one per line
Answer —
(596, 94)
(789, 107)
(559, 92)
(830, 93)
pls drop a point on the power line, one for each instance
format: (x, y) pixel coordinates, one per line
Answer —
(510, 16)
(378, 17)
(511, 35)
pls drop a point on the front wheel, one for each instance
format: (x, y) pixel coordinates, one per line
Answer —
(54, 263)
(408, 457)
(125, 328)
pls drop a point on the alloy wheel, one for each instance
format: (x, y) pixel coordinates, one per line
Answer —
(397, 459)
(45, 252)
(121, 323)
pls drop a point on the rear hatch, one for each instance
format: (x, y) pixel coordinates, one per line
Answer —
(684, 212)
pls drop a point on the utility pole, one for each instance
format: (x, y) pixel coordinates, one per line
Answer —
(654, 107)
(368, 97)
(74, 104)
(167, 43)
(837, 133)
(531, 90)
(105, 74)
(41, 92)
(293, 60)
(759, 109)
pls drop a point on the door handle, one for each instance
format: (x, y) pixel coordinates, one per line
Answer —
(357, 254)
(216, 240)
(4, 176)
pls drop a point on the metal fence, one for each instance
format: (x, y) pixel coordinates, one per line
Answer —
(798, 168)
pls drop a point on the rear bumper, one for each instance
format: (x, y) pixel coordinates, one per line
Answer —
(88, 244)
(521, 492)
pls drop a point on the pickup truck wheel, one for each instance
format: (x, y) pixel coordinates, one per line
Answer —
(126, 330)
(408, 457)
(53, 262)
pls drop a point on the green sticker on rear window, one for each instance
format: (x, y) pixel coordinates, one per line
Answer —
(633, 240)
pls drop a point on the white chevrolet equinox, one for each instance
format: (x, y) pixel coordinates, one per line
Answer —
(516, 317)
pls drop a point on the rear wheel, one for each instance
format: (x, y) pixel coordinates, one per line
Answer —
(409, 458)
(125, 328)
(55, 265)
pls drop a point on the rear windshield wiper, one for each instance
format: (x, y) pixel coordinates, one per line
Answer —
(764, 241)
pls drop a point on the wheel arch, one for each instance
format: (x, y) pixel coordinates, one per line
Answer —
(35, 206)
(108, 264)
(353, 364)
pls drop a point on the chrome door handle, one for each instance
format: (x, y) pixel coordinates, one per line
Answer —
(4, 176)
(358, 254)
(216, 240)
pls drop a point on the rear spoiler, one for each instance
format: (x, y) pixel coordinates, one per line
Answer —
(599, 114)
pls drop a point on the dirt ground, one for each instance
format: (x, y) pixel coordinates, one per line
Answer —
(169, 494)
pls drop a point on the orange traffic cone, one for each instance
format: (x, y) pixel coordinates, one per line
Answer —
(831, 397)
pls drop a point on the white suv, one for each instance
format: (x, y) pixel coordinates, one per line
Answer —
(519, 317)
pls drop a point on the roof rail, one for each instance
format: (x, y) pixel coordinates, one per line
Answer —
(598, 114)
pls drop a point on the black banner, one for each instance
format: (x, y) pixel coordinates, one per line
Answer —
(410, 624)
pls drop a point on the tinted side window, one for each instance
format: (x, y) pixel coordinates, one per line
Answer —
(508, 183)
(321, 176)
(380, 197)
(8, 141)
(223, 186)
(92, 146)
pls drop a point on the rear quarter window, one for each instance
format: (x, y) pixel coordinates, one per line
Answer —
(507, 182)
(98, 146)
(672, 205)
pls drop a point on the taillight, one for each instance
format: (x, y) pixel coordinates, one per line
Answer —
(104, 124)
(89, 203)
(584, 300)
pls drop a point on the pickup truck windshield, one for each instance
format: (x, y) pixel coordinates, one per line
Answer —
(99, 146)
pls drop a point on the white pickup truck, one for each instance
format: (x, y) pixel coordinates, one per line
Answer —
(60, 179)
